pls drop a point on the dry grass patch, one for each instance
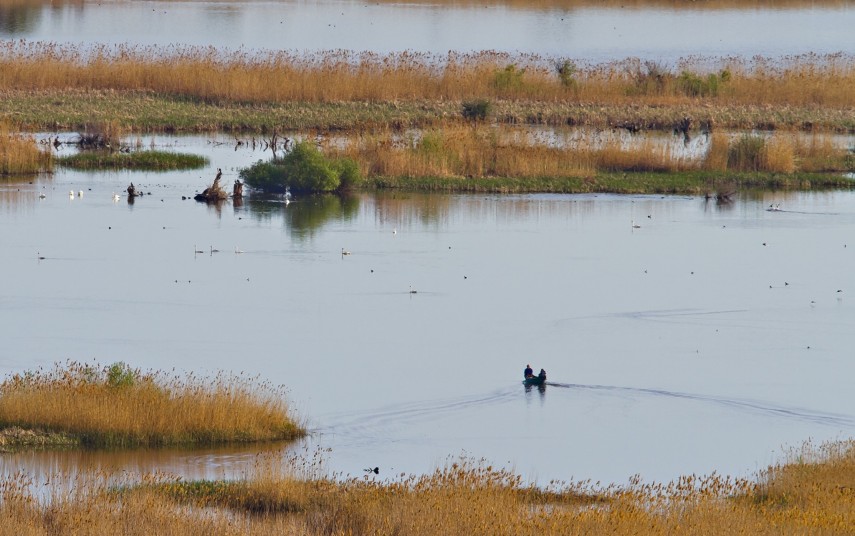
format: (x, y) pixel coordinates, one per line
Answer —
(120, 406)
(508, 152)
(212, 75)
(811, 493)
(20, 154)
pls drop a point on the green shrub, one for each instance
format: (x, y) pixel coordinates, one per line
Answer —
(693, 85)
(348, 174)
(509, 79)
(649, 78)
(476, 110)
(119, 374)
(303, 170)
(567, 73)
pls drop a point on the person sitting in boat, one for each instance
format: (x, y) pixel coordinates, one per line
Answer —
(528, 373)
(542, 375)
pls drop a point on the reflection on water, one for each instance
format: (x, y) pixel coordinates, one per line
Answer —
(16, 20)
(306, 216)
(587, 30)
(232, 462)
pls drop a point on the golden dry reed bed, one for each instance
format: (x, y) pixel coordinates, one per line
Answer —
(20, 154)
(505, 152)
(812, 493)
(210, 74)
(119, 406)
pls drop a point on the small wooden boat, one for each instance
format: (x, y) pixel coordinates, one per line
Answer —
(535, 380)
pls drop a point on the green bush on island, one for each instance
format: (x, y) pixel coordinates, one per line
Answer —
(303, 170)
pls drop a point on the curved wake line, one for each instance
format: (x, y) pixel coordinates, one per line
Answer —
(345, 423)
(816, 417)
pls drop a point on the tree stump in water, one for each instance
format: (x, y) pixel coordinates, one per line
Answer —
(214, 192)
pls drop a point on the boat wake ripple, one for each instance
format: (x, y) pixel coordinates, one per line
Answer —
(761, 407)
(364, 423)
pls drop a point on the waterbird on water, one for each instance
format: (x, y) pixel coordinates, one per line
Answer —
(344, 252)
(635, 225)
(42, 196)
(238, 250)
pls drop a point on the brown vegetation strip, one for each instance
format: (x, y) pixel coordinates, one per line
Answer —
(16, 438)
(19, 154)
(812, 493)
(117, 406)
(341, 89)
(64, 110)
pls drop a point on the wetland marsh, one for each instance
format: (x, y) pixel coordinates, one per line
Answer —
(707, 321)
(704, 331)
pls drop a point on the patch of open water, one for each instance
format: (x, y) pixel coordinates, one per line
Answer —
(590, 33)
(706, 339)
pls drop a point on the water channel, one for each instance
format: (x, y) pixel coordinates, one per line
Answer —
(710, 337)
(589, 32)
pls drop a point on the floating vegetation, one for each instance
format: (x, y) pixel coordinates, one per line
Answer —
(148, 160)
(117, 406)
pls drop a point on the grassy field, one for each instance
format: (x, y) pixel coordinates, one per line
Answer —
(696, 183)
(134, 160)
(147, 111)
(116, 406)
(810, 492)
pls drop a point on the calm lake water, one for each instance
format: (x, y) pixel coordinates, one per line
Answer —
(709, 338)
(588, 33)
